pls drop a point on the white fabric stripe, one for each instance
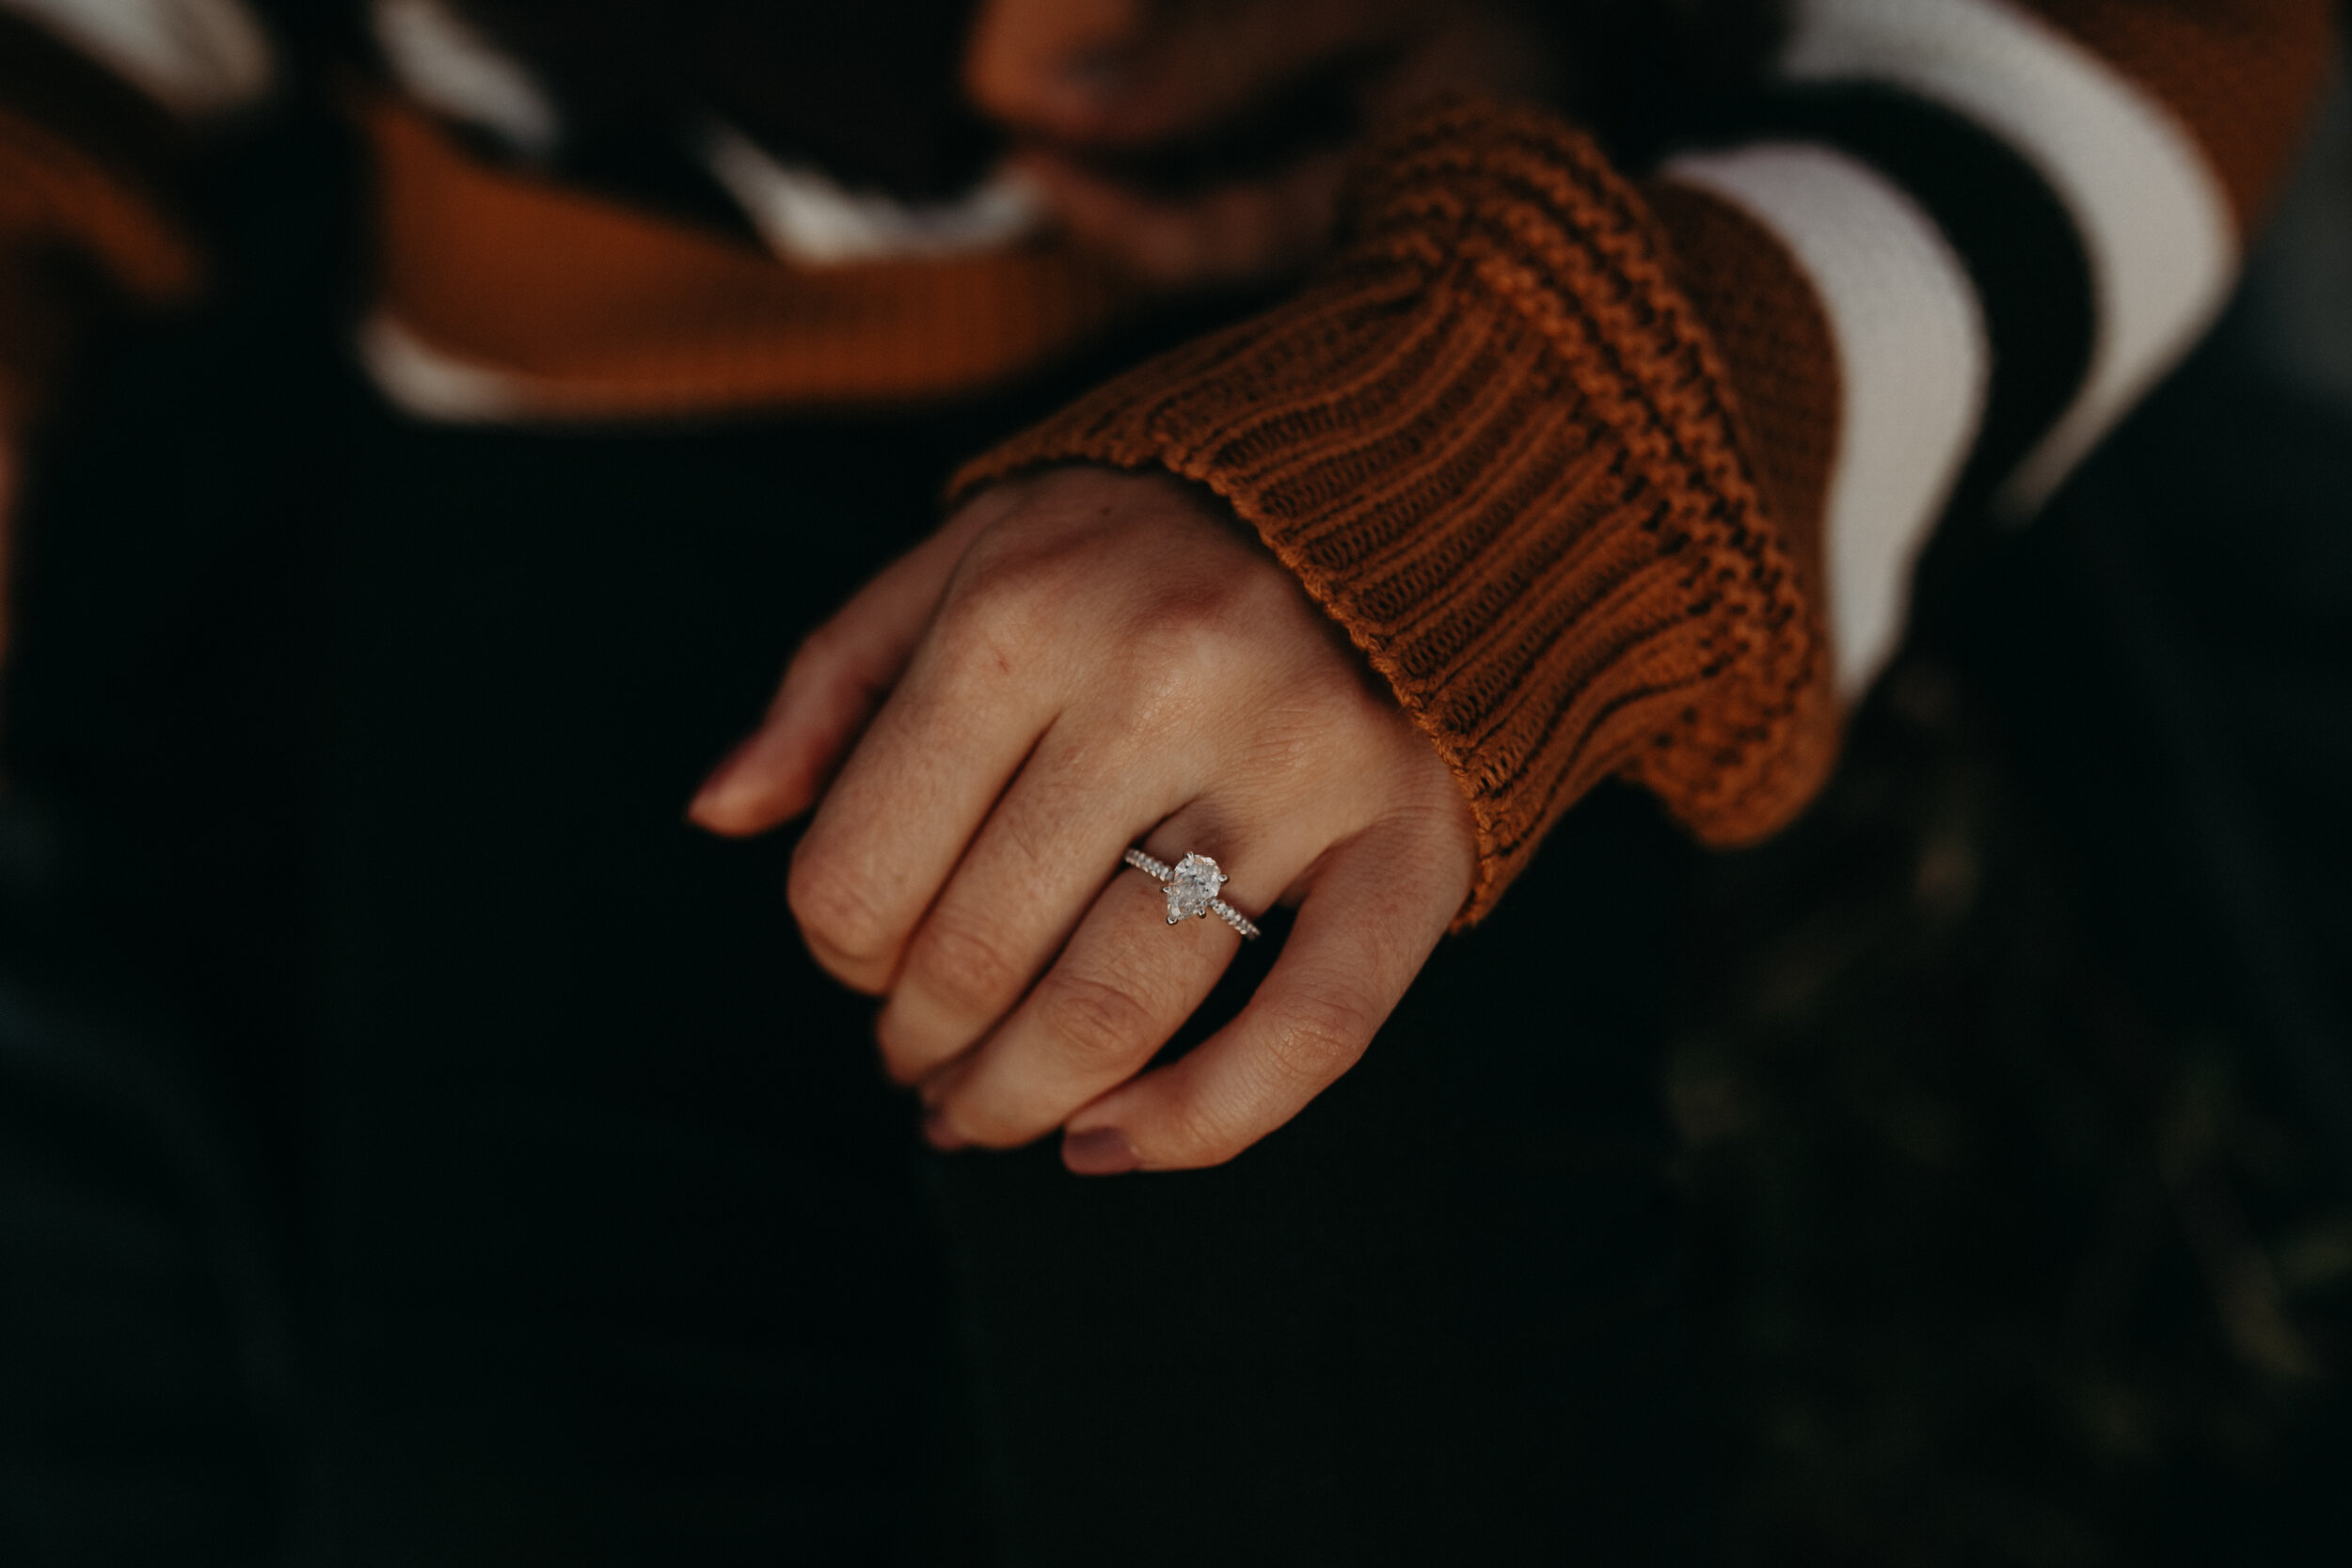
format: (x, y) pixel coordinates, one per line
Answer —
(1912, 363)
(427, 384)
(194, 57)
(2154, 223)
(446, 64)
(804, 216)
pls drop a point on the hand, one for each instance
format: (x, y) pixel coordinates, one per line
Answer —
(1203, 142)
(1073, 664)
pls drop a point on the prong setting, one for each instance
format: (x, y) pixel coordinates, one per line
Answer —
(1192, 885)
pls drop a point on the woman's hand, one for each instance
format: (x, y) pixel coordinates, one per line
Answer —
(1073, 665)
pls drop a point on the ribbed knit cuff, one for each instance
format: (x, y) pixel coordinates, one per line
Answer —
(1493, 442)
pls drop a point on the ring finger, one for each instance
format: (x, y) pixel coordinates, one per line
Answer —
(1125, 984)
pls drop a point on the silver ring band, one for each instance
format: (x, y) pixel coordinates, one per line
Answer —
(1191, 887)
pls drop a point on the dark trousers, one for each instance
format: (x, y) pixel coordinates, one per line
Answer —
(417, 1144)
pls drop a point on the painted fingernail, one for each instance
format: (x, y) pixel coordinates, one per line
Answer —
(941, 1136)
(1102, 1152)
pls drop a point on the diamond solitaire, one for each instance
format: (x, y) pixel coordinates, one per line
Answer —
(1191, 885)
(1192, 888)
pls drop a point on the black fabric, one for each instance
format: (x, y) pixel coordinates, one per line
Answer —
(514, 1189)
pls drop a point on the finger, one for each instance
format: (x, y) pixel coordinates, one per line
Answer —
(1040, 859)
(1126, 983)
(832, 685)
(1373, 911)
(987, 681)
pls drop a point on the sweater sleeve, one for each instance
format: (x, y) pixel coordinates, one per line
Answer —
(1619, 479)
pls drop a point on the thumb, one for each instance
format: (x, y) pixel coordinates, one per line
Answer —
(832, 685)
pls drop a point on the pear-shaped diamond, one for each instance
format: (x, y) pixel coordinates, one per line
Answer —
(1191, 888)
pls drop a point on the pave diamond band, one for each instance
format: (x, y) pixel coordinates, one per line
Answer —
(1191, 885)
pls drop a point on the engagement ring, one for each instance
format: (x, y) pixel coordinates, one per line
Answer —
(1191, 887)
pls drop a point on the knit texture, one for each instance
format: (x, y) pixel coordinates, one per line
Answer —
(1496, 443)
(1782, 385)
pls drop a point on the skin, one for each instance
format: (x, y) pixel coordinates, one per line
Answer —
(1073, 664)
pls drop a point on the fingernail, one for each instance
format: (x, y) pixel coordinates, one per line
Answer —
(941, 1136)
(1102, 1152)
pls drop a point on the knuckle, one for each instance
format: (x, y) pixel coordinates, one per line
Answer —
(1204, 639)
(1189, 622)
(833, 911)
(1000, 578)
(1096, 1022)
(1202, 1138)
(1002, 614)
(1198, 1134)
(1317, 1038)
(980, 631)
(964, 969)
